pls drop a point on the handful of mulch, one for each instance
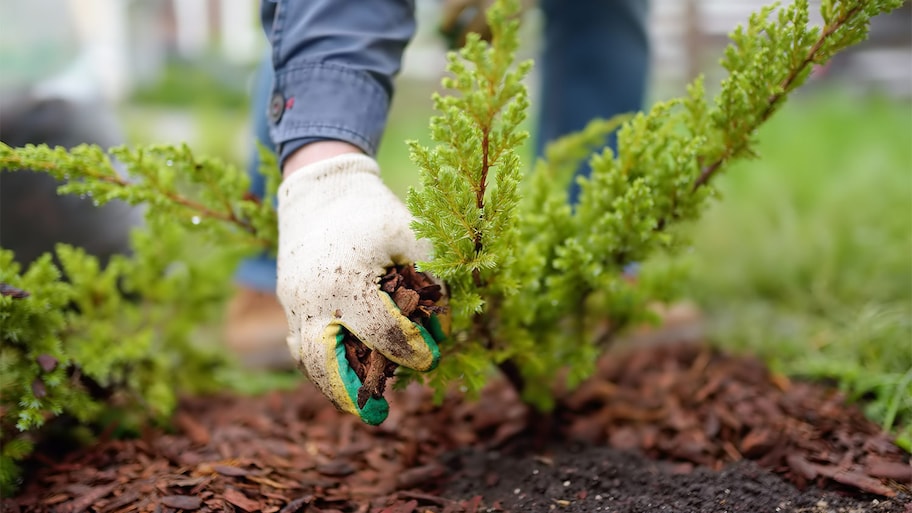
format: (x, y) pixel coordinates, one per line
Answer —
(416, 296)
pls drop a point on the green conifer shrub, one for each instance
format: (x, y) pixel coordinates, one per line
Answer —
(536, 285)
(121, 341)
(532, 280)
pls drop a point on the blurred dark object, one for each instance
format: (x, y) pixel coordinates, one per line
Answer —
(33, 218)
(462, 17)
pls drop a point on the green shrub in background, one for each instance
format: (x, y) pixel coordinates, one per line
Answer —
(532, 279)
(81, 339)
(807, 261)
(529, 276)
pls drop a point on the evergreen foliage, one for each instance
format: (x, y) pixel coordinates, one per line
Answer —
(81, 339)
(530, 275)
(537, 286)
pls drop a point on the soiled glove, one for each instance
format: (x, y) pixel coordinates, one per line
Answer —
(340, 227)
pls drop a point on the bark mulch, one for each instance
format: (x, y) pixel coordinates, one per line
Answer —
(676, 428)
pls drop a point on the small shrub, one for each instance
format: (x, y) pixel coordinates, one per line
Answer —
(80, 339)
(532, 279)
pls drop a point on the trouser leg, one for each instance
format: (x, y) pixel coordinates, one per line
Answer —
(594, 64)
(259, 272)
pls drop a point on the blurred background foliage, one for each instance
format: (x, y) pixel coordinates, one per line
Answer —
(807, 258)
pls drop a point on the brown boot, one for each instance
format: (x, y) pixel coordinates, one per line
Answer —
(678, 322)
(256, 329)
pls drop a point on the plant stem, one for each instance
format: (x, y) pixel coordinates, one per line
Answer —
(479, 195)
(772, 102)
(13, 162)
(485, 166)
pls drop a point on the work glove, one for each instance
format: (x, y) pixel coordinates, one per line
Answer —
(340, 227)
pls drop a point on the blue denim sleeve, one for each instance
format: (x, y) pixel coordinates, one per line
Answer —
(334, 63)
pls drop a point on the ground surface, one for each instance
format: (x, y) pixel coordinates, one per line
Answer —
(673, 428)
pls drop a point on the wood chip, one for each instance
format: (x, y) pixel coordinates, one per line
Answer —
(895, 470)
(193, 429)
(297, 505)
(407, 507)
(228, 470)
(336, 468)
(271, 483)
(406, 300)
(240, 500)
(181, 502)
(863, 482)
(87, 499)
(800, 465)
(417, 476)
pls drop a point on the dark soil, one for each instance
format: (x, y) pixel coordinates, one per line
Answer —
(670, 428)
(580, 478)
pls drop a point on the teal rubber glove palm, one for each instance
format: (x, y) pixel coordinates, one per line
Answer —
(340, 227)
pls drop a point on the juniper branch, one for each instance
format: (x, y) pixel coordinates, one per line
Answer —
(58, 163)
(815, 55)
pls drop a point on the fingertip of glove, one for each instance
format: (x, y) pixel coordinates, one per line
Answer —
(374, 412)
(429, 340)
(375, 409)
(435, 328)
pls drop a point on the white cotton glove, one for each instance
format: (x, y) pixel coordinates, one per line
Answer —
(340, 227)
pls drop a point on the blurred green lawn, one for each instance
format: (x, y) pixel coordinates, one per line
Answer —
(409, 115)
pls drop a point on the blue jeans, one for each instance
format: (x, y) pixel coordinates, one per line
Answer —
(259, 272)
(594, 64)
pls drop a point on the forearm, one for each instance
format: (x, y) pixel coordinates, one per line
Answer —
(334, 63)
(314, 152)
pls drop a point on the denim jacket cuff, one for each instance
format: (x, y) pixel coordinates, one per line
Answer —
(327, 101)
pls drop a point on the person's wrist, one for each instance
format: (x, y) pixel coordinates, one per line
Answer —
(316, 152)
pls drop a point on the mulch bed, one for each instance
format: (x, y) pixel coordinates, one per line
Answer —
(666, 428)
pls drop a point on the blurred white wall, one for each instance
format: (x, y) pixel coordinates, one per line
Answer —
(688, 37)
(101, 28)
(191, 20)
(230, 26)
(103, 48)
(107, 47)
(240, 34)
(37, 40)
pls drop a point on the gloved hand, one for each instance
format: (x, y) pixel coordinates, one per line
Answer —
(340, 227)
